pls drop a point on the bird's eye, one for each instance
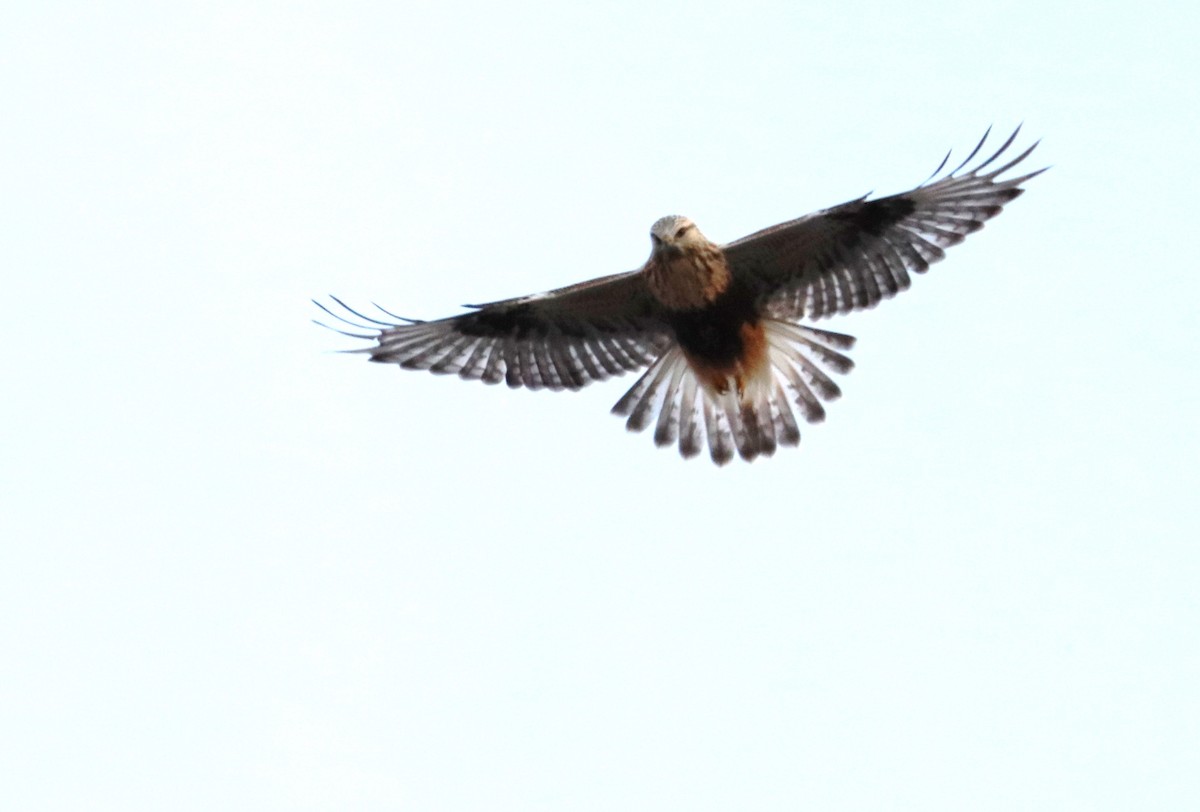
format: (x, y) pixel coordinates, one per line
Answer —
(682, 231)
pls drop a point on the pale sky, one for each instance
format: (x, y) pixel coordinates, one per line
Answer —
(241, 571)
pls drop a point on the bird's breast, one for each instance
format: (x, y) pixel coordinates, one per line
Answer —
(689, 279)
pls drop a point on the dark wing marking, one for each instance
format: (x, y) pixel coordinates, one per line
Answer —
(562, 339)
(857, 254)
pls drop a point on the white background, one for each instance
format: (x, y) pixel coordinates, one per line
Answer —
(241, 571)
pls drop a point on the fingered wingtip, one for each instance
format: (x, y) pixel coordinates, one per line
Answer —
(367, 336)
(977, 171)
(387, 312)
(365, 322)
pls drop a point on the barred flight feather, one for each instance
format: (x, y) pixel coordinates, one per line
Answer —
(754, 422)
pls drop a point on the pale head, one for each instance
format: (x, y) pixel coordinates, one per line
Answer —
(675, 234)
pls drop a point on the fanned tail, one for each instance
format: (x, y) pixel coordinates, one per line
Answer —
(791, 382)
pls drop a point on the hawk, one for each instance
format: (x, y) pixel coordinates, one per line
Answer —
(716, 325)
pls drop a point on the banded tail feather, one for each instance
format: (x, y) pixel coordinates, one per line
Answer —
(791, 382)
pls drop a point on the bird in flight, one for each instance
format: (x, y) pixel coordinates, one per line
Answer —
(716, 325)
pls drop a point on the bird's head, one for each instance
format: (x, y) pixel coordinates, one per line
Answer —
(675, 234)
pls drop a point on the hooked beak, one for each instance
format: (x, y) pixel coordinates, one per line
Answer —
(667, 248)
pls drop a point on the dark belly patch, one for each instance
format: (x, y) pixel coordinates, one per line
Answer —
(713, 332)
(724, 340)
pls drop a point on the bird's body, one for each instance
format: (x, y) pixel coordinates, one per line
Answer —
(713, 317)
(715, 324)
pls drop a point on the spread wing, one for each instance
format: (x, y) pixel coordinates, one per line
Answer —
(562, 339)
(857, 254)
